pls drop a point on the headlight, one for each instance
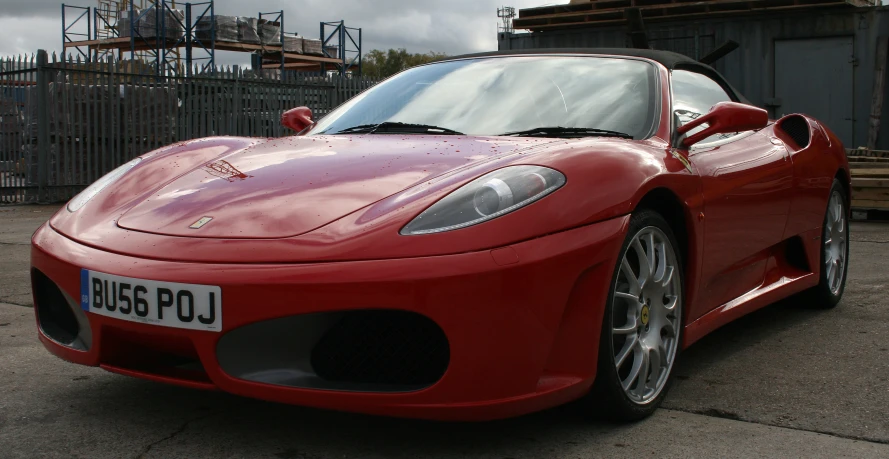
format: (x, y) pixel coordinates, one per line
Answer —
(486, 198)
(81, 199)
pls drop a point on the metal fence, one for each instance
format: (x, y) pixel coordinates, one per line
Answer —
(65, 123)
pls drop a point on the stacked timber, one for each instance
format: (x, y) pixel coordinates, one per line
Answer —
(248, 30)
(145, 24)
(870, 179)
(269, 32)
(226, 28)
(313, 47)
(293, 43)
(231, 29)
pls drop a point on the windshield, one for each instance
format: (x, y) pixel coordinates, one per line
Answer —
(496, 96)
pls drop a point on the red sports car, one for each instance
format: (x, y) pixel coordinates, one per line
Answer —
(472, 239)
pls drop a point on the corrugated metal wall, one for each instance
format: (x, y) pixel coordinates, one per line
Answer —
(751, 68)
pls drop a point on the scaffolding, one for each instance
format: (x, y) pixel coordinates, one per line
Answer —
(506, 15)
(338, 41)
(165, 36)
(107, 25)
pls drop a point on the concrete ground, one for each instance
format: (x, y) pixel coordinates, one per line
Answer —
(782, 382)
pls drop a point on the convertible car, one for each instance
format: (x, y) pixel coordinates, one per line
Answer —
(472, 239)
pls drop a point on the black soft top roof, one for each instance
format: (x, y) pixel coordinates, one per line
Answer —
(668, 59)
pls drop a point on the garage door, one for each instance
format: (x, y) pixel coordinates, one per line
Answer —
(814, 76)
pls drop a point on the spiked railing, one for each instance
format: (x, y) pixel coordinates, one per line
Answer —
(65, 122)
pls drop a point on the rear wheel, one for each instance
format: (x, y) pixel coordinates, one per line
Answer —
(834, 251)
(642, 327)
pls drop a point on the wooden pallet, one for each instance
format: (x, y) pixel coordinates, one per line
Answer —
(611, 12)
(868, 163)
(870, 182)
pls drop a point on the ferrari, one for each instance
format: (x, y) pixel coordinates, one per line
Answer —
(472, 239)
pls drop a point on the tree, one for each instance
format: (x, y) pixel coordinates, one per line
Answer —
(382, 64)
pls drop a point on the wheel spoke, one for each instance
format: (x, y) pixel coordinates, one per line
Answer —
(634, 372)
(656, 364)
(671, 305)
(652, 253)
(627, 328)
(840, 267)
(629, 346)
(635, 286)
(645, 268)
(835, 274)
(667, 277)
(665, 358)
(643, 373)
(634, 299)
(830, 272)
(831, 212)
(838, 208)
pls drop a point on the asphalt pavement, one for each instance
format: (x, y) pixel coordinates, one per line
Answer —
(782, 382)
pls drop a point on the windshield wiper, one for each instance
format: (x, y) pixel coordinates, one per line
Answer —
(397, 128)
(567, 132)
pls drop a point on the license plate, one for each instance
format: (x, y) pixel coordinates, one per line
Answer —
(167, 304)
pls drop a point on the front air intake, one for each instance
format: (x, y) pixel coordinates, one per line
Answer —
(57, 316)
(382, 347)
(367, 350)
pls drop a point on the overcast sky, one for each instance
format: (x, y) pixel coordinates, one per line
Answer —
(451, 26)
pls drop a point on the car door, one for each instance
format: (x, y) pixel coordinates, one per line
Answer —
(746, 181)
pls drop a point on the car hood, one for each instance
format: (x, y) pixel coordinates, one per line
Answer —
(285, 187)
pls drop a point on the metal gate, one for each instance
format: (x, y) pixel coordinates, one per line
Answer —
(64, 124)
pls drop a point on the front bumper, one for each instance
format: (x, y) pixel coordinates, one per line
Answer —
(522, 322)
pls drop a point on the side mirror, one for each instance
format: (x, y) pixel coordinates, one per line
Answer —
(725, 118)
(298, 118)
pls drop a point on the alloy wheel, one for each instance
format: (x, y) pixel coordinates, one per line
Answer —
(647, 310)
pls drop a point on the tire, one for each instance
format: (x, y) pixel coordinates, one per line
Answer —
(615, 395)
(834, 251)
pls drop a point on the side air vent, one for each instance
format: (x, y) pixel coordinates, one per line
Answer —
(798, 129)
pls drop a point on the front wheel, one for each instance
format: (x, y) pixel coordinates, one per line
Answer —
(642, 327)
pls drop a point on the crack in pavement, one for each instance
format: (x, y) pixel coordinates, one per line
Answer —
(172, 435)
(14, 243)
(717, 413)
(12, 302)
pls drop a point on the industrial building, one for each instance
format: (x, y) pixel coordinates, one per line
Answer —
(826, 58)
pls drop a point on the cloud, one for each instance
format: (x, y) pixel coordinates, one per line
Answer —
(453, 26)
(27, 34)
(31, 8)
